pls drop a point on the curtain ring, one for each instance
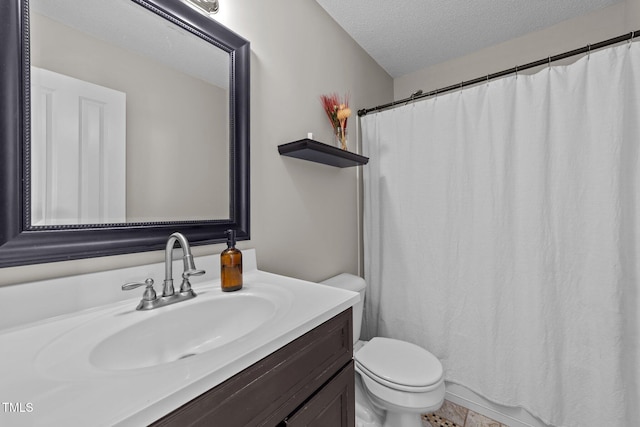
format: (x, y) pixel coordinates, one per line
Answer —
(630, 38)
(516, 72)
(549, 62)
(461, 84)
(588, 51)
(413, 96)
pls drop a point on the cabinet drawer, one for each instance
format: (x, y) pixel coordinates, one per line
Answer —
(333, 406)
(269, 390)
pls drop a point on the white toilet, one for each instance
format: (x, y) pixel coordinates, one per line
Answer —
(396, 381)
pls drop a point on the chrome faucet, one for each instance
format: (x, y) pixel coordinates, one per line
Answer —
(169, 296)
(189, 266)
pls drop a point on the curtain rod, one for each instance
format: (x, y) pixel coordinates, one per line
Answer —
(419, 94)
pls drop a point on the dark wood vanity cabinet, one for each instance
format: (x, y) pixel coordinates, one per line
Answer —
(309, 382)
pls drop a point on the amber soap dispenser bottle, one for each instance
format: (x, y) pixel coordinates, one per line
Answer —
(231, 265)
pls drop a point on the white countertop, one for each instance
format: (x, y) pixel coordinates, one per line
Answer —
(34, 391)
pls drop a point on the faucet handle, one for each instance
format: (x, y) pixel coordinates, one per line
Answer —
(193, 272)
(149, 292)
(186, 285)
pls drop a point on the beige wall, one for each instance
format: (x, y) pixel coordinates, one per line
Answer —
(597, 26)
(304, 220)
(303, 215)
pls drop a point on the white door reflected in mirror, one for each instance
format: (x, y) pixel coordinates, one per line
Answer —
(78, 151)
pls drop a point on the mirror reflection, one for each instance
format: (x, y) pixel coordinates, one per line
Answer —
(130, 117)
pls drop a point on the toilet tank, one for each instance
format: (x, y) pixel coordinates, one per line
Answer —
(351, 283)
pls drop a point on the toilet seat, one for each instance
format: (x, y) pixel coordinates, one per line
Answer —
(395, 386)
(399, 365)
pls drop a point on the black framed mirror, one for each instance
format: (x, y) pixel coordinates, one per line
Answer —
(26, 240)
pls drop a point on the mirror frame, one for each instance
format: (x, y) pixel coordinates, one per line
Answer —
(23, 244)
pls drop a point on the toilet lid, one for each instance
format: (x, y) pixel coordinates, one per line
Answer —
(400, 362)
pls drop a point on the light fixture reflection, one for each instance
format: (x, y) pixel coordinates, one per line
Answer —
(208, 6)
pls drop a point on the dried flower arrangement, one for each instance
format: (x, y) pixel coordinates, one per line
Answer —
(338, 112)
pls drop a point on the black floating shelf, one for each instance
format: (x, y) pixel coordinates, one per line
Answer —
(314, 151)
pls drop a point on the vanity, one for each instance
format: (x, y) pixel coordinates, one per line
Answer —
(277, 352)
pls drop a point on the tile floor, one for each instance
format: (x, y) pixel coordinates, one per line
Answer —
(453, 415)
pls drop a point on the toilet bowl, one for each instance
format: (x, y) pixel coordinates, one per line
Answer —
(398, 380)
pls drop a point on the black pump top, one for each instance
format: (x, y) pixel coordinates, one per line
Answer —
(231, 238)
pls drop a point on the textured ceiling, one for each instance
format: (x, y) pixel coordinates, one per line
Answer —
(408, 35)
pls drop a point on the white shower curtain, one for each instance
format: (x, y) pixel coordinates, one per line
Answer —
(502, 227)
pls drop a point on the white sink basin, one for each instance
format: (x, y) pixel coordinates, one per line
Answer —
(186, 331)
(146, 364)
(134, 340)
